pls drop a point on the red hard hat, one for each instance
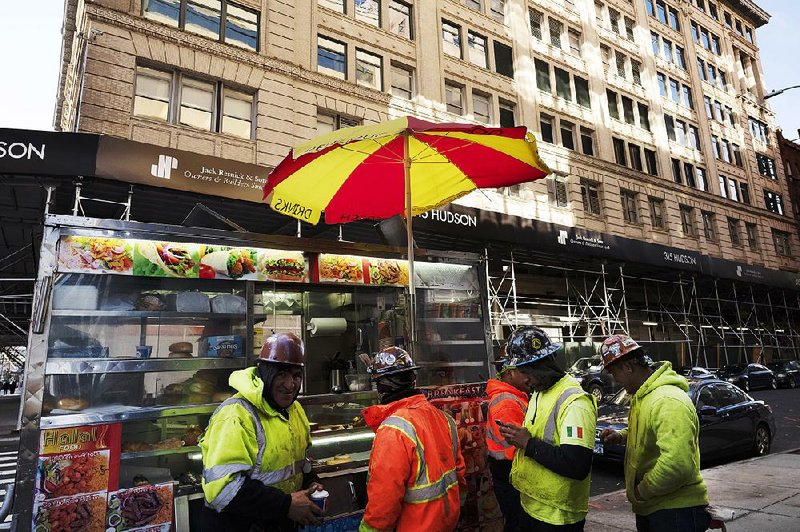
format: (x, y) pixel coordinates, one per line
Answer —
(615, 347)
(283, 348)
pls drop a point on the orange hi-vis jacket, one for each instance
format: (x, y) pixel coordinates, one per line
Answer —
(506, 404)
(416, 471)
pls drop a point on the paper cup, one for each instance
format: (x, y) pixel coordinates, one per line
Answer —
(319, 497)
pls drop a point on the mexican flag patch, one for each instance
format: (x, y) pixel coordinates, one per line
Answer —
(574, 432)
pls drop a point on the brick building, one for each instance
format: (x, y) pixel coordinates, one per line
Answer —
(666, 216)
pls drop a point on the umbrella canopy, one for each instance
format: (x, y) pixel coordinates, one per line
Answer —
(365, 172)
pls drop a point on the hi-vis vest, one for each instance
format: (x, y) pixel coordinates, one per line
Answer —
(542, 421)
(498, 447)
(276, 458)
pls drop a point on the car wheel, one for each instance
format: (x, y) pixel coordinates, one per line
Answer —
(792, 382)
(597, 391)
(763, 440)
(746, 385)
(774, 384)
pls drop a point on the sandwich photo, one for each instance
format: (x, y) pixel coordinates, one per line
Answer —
(165, 259)
(228, 263)
(282, 266)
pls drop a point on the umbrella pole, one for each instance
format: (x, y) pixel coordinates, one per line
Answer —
(412, 294)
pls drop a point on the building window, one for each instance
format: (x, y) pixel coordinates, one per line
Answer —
(335, 5)
(455, 98)
(206, 105)
(773, 202)
(587, 141)
(702, 180)
(752, 236)
(542, 75)
(575, 41)
(687, 221)
(402, 81)
(644, 117)
(507, 114)
(451, 39)
(636, 156)
(613, 108)
(327, 122)
(497, 9)
(216, 19)
(400, 21)
(657, 218)
(152, 95)
(744, 190)
(503, 59)
(629, 210)
(590, 194)
(476, 49)
(766, 166)
(619, 151)
(331, 57)
(536, 19)
(627, 110)
(482, 107)
(567, 134)
(782, 241)
(560, 192)
(556, 29)
(677, 176)
(759, 130)
(733, 229)
(650, 161)
(369, 11)
(369, 70)
(582, 92)
(563, 88)
(709, 226)
(546, 126)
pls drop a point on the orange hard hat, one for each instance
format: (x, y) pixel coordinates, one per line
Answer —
(390, 360)
(283, 348)
(615, 347)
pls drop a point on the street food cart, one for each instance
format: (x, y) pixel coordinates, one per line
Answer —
(136, 328)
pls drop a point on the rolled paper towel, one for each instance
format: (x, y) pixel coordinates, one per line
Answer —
(327, 326)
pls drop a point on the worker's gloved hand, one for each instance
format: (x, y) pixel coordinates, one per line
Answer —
(303, 510)
(610, 436)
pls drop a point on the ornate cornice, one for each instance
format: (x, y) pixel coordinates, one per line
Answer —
(751, 11)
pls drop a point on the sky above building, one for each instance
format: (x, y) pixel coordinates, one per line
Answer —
(30, 36)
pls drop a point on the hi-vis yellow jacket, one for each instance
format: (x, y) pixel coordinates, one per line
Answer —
(247, 437)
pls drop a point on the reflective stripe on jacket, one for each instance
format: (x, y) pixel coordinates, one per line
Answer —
(416, 470)
(506, 404)
(247, 437)
(543, 421)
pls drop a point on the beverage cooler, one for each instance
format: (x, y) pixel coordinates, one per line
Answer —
(137, 327)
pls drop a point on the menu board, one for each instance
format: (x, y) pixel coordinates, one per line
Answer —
(143, 508)
(77, 468)
(352, 269)
(155, 258)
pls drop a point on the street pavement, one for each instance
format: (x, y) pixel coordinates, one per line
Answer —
(764, 493)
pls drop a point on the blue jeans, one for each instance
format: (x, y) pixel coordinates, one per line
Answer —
(694, 519)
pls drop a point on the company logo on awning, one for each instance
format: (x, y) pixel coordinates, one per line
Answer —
(562, 238)
(21, 150)
(163, 168)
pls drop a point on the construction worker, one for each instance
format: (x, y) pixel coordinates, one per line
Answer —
(254, 449)
(556, 442)
(662, 456)
(416, 471)
(508, 402)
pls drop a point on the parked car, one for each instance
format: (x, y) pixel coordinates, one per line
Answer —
(749, 377)
(589, 371)
(696, 372)
(787, 372)
(731, 422)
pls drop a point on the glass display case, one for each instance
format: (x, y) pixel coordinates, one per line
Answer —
(140, 326)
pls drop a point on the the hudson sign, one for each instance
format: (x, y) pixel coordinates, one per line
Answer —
(21, 150)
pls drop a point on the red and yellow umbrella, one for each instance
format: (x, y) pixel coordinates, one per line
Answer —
(403, 167)
(365, 172)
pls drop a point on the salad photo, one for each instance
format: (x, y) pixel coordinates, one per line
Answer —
(78, 254)
(165, 259)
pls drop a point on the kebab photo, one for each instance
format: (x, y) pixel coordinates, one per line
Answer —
(228, 263)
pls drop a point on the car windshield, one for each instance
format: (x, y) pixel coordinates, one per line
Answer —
(582, 364)
(732, 369)
(776, 366)
(621, 398)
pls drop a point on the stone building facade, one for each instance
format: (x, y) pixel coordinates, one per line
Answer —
(650, 112)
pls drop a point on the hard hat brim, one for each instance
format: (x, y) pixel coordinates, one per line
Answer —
(390, 371)
(543, 353)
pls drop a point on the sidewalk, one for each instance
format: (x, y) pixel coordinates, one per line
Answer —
(764, 492)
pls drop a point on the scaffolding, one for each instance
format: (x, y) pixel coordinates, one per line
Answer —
(689, 319)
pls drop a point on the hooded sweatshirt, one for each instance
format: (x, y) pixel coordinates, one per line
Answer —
(662, 458)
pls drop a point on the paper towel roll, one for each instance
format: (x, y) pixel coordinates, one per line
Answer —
(327, 326)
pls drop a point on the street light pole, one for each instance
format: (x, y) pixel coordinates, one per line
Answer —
(780, 91)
